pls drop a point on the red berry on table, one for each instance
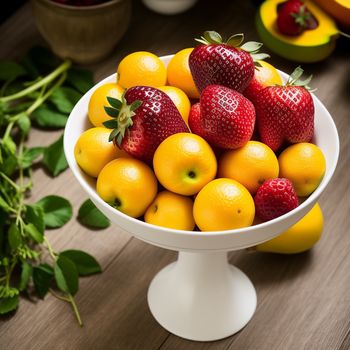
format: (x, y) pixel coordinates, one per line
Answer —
(274, 198)
(143, 118)
(285, 114)
(293, 17)
(229, 63)
(227, 118)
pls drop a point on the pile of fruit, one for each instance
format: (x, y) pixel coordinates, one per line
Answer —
(223, 145)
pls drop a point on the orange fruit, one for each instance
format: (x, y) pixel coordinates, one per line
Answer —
(179, 74)
(128, 185)
(305, 165)
(250, 165)
(93, 150)
(264, 75)
(141, 68)
(298, 238)
(180, 100)
(171, 210)
(223, 204)
(98, 102)
(184, 163)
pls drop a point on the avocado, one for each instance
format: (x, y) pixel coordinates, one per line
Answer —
(310, 46)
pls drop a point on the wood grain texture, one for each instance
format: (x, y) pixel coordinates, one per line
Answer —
(303, 300)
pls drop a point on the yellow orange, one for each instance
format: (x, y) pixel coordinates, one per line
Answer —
(141, 68)
(98, 101)
(184, 163)
(180, 100)
(267, 75)
(250, 165)
(171, 210)
(93, 150)
(300, 237)
(304, 164)
(223, 204)
(264, 75)
(128, 185)
(179, 74)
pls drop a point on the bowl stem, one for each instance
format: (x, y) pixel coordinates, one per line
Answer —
(202, 297)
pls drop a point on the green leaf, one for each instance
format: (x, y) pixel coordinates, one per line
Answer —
(14, 236)
(251, 46)
(113, 134)
(65, 98)
(24, 124)
(235, 40)
(90, 216)
(66, 275)
(85, 263)
(136, 104)
(40, 61)
(9, 145)
(35, 215)
(57, 210)
(112, 112)
(8, 304)
(26, 273)
(114, 102)
(260, 56)
(11, 71)
(54, 158)
(29, 156)
(111, 124)
(47, 118)
(81, 79)
(42, 278)
(4, 205)
(212, 37)
(34, 233)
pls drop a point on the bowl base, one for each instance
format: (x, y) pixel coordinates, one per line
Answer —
(202, 297)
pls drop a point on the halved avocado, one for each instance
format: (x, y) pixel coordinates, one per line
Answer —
(310, 46)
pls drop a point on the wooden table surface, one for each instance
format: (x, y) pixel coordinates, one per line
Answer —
(303, 300)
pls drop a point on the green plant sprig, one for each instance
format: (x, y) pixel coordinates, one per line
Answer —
(41, 90)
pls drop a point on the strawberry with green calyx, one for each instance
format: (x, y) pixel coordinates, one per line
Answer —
(293, 17)
(142, 119)
(228, 63)
(285, 114)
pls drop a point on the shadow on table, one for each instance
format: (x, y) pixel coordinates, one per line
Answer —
(271, 269)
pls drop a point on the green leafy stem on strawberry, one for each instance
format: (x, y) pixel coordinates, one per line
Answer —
(122, 115)
(211, 37)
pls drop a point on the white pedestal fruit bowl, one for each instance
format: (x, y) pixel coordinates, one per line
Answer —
(201, 296)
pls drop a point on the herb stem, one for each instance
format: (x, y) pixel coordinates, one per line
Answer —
(51, 251)
(60, 297)
(8, 130)
(47, 94)
(11, 182)
(50, 77)
(75, 308)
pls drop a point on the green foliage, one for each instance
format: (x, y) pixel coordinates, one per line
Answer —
(40, 90)
(57, 211)
(90, 216)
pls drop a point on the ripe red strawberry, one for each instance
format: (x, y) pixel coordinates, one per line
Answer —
(293, 17)
(285, 113)
(194, 119)
(274, 198)
(143, 118)
(227, 118)
(223, 63)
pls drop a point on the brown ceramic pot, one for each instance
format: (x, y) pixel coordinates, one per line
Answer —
(85, 34)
